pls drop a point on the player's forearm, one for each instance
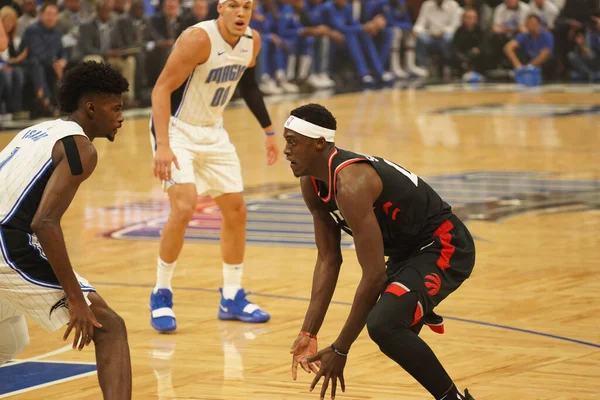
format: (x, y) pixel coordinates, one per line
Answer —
(254, 99)
(541, 58)
(52, 241)
(324, 281)
(367, 293)
(161, 113)
(512, 56)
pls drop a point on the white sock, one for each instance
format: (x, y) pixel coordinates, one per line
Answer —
(164, 274)
(232, 279)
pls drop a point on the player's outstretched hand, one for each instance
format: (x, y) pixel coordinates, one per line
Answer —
(303, 348)
(332, 368)
(82, 319)
(272, 149)
(162, 163)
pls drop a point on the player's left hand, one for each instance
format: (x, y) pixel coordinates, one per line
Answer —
(272, 149)
(332, 368)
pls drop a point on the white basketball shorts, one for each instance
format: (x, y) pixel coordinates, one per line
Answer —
(206, 158)
(28, 284)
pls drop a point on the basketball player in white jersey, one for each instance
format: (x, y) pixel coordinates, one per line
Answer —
(40, 172)
(193, 154)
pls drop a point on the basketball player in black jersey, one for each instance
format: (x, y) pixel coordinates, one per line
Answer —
(390, 212)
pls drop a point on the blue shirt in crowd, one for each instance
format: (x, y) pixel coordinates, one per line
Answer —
(340, 19)
(534, 46)
(45, 45)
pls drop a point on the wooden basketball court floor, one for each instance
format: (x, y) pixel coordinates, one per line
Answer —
(522, 167)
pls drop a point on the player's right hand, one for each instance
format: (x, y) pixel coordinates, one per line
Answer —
(82, 319)
(163, 159)
(304, 347)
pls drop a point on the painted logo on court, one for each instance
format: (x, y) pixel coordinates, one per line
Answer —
(522, 110)
(279, 216)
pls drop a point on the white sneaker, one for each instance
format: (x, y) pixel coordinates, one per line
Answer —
(326, 79)
(387, 77)
(289, 87)
(367, 80)
(315, 82)
(268, 86)
(418, 71)
(400, 73)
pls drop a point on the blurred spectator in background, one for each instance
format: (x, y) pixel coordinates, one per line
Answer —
(98, 43)
(119, 8)
(132, 34)
(198, 13)
(371, 15)
(12, 72)
(398, 20)
(575, 15)
(165, 27)
(46, 59)
(28, 17)
(337, 14)
(546, 10)
(68, 24)
(435, 27)
(321, 60)
(263, 20)
(307, 32)
(532, 48)
(585, 57)
(509, 21)
(467, 46)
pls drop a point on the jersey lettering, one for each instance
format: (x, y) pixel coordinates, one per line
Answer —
(229, 73)
(413, 178)
(12, 154)
(221, 96)
(34, 135)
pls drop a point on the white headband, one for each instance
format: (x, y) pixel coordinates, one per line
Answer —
(308, 129)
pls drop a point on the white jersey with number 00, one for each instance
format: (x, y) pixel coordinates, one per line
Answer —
(210, 86)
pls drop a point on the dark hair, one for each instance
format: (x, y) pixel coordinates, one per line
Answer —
(534, 16)
(89, 77)
(47, 4)
(315, 114)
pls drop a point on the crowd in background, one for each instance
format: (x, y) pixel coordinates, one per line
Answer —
(307, 44)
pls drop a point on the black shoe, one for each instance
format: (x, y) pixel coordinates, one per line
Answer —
(468, 396)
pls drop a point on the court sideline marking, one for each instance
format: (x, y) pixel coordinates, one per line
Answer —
(304, 299)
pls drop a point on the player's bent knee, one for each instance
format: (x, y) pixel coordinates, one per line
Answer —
(112, 323)
(378, 324)
(391, 314)
(14, 337)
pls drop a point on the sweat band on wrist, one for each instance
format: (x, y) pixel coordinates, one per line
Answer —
(310, 335)
(338, 352)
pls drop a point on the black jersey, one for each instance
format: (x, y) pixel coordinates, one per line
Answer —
(408, 210)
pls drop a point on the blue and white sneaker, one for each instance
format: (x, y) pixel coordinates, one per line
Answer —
(162, 317)
(241, 309)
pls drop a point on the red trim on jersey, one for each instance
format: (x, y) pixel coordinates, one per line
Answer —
(397, 288)
(443, 231)
(396, 211)
(339, 168)
(326, 199)
(314, 181)
(418, 314)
